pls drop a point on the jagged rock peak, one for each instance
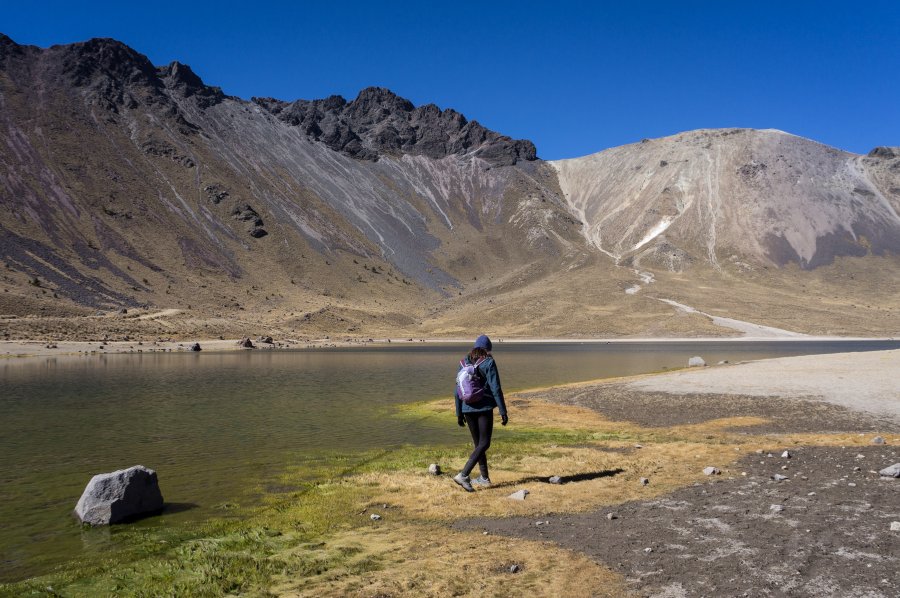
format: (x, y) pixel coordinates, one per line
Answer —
(380, 122)
(181, 78)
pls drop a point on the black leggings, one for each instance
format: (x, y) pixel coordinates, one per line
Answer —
(481, 425)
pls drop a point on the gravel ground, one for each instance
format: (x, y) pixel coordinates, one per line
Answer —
(813, 534)
(823, 531)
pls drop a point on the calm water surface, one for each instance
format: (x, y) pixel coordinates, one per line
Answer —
(220, 428)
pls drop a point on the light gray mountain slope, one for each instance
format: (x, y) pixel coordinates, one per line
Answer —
(734, 195)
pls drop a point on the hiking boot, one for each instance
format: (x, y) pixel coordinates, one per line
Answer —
(463, 480)
(482, 481)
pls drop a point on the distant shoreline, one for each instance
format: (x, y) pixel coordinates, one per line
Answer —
(34, 348)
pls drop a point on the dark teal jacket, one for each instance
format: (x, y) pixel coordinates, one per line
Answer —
(493, 394)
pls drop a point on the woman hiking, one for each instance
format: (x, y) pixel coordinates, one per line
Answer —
(477, 409)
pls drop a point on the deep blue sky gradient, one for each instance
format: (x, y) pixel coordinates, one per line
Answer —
(574, 77)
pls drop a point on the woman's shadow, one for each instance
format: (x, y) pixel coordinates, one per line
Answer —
(564, 479)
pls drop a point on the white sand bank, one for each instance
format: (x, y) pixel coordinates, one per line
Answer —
(868, 381)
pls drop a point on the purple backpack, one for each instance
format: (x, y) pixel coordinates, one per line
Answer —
(469, 383)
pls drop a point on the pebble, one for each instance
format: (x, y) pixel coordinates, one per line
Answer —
(895, 526)
(514, 568)
(555, 480)
(770, 455)
(639, 446)
(811, 494)
(711, 471)
(776, 508)
(852, 484)
(860, 456)
(878, 440)
(611, 516)
(539, 523)
(759, 451)
(778, 477)
(648, 550)
(434, 469)
(785, 455)
(644, 481)
(374, 516)
(519, 494)
(784, 467)
(856, 469)
(891, 472)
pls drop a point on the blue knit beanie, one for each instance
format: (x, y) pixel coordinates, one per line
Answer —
(483, 342)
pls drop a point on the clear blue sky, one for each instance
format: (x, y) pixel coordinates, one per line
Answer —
(574, 77)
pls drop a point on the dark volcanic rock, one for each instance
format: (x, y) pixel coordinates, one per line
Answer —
(113, 75)
(246, 213)
(180, 78)
(884, 152)
(380, 122)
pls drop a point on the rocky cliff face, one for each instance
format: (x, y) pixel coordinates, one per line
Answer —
(378, 122)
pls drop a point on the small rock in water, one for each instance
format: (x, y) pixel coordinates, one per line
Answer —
(644, 481)
(711, 471)
(891, 472)
(374, 516)
(785, 455)
(696, 361)
(895, 526)
(519, 494)
(878, 440)
(779, 478)
(555, 480)
(776, 508)
(434, 469)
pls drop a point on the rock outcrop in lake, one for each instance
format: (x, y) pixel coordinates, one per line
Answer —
(120, 495)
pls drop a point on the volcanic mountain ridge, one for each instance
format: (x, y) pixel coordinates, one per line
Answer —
(131, 186)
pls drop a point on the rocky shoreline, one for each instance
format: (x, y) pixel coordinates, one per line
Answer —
(797, 516)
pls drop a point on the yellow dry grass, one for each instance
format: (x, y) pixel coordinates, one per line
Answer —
(430, 560)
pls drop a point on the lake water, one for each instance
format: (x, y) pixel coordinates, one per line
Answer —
(220, 427)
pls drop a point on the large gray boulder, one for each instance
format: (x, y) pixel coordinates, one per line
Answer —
(113, 497)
